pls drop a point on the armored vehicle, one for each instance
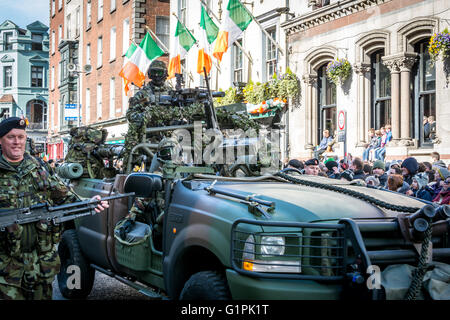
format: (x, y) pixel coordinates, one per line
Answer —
(276, 236)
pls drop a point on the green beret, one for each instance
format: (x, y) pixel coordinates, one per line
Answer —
(379, 165)
(11, 123)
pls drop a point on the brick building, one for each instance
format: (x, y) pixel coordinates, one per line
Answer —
(91, 39)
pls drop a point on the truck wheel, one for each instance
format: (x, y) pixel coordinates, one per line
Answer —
(206, 285)
(70, 253)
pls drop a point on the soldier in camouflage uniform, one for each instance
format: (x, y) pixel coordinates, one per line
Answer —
(28, 256)
(139, 104)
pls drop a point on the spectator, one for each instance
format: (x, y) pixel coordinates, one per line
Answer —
(380, 153)
(333, 169)
(440, 174)
(443, 196)
(378, 135)
(432, 124)
(426, 128)
(346, 175)
(420, 188)
(409, 169)
(378, 172)
(367, 169)
(312, 167)
(373, 141)
(395, 182)
(322, 147)
(357, 168)
(372, 181)
(429, 171)
(436, 158)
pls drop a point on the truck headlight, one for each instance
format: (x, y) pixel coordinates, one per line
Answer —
(272, 246)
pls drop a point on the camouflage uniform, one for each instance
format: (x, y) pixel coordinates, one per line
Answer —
(82, 144)
(137, 115)
(28, 256)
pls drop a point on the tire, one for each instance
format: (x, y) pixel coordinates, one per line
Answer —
(206, 285)
(70, 254)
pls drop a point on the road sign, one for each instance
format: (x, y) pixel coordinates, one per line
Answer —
(71, 111)
(341, 120)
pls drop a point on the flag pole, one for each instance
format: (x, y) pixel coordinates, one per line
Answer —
(196, 41)
(165, 48)
(262, 29)
(235, 42)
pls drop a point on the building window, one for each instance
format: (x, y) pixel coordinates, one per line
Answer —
(327, 103)
(88, 53)
(88, 105)
(53, 8)
(36, 42)
(163, 30)
(237, 62)
(381, 92)
(112, 98)
(88, 14)
(60, 33)
(78, 23)
(271, 54)
(7, 40)
(53, 41)
(37, 75)
(52, 115)
(99, 102)
(100, 10)
(424, 78)
(99, 52)
(53, 78)
(7, 76)
(112, 44)
(125, 36)
(182, 8)
(68, 26)
(113, 5)
(60, 4)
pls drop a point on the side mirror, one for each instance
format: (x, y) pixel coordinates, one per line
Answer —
(143, 184)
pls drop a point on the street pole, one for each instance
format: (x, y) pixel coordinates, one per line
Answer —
(78, 97)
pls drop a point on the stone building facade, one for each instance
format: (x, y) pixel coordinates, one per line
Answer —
(392, 81)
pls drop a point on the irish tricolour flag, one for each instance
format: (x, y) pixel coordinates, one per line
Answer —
(137, 61)
(208, 33)
(236, 20)
(181, 43)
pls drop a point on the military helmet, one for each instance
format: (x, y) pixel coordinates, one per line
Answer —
(169, 149)
(157, 72)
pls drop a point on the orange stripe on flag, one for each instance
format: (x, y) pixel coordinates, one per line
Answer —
(174, 67)
(221, 45)
(204, 60)
(132, 73)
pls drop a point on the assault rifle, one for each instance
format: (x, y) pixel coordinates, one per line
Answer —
(56, 214)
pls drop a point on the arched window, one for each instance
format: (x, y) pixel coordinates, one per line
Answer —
(380, 91)
(37, 114)
(424, 82)
(326, 103)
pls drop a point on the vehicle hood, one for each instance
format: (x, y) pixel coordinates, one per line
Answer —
(294, 202)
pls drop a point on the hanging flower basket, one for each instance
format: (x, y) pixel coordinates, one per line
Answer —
(338, 70)
(439, 45)
(266, 108)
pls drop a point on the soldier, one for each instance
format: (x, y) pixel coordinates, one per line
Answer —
(139, 104)
(28, 256)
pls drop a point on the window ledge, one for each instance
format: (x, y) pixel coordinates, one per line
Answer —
(100, 20)
(99, 67)
(113, 60)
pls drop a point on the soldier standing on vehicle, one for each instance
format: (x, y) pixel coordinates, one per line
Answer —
(28, 256)
(139, 104)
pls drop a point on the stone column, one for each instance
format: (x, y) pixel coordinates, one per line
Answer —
(393, 65)
(361, 70)
(309, 80)
(405, 64)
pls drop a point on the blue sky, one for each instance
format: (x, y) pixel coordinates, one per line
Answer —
(24, 12)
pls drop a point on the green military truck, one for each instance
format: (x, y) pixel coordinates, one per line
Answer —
(206, 235)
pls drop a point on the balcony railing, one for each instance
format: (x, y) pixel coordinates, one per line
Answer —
(37, 125)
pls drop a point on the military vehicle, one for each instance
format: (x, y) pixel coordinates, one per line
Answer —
(273, 236)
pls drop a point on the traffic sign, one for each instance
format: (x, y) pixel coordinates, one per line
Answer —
(341, 120)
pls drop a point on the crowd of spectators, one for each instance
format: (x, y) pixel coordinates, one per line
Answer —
(424, 180)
